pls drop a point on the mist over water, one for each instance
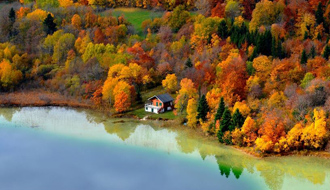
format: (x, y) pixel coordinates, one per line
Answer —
(60, 148)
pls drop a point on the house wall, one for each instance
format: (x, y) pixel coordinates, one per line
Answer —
(155, 101)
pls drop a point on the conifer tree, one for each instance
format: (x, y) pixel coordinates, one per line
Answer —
(138, 96)
(319, 14)
(203, 108)
(274, 48)
(280, 53)
(220, 110)
(238, 120)
(189, 63)
(49, 24)
(224, 124)
(12, 15)
(326, 52)
(304, 57)
(223, 29)
(313, 52)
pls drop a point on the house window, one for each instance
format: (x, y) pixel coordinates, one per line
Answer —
(160, 104)
(146, 108)
(156, 103)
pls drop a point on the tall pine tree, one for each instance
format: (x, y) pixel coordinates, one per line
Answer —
(223, 29)
(313, 52)
(326, 52)
(224, 124)
(304, 57)
(189, 63)
(319, 14)
(238, 120)
(12, 15)
(202, 109)
(220, 110)
(49, 24)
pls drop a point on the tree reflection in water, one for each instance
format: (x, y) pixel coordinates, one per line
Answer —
(231, 163)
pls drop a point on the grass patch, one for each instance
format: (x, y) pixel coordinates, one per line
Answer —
(134, 15)
(140, 113)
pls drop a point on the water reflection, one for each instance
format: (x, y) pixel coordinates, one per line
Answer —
(277, 173)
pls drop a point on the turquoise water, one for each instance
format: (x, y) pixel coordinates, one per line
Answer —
(60, 148)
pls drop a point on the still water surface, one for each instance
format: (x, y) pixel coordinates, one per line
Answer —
(60, 148)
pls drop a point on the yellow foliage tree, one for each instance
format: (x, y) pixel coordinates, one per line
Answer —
(38, 14)
(170, 83)
(315, 134)
(65, 3)
(243, 108)
(294, 136)
(213, 98)
(263, 67)
(192, 112)
(9, 77)
(249, 129)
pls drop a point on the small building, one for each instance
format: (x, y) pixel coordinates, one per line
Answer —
(159, 103)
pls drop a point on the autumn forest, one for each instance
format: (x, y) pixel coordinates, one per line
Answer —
(254, 74)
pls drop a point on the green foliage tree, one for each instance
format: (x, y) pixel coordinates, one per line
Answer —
(319, 14)
(326, 52)
(304, 58)
(12, 15)
(203, 108)
(189, 63)
(223, 29)
(220, 110)
(308, 77)
(49, 24)
(178, 18)
(224, 124)
(238, 120)
(313, 52)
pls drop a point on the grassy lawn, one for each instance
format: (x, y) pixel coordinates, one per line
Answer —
(140, 113)
(134, 15)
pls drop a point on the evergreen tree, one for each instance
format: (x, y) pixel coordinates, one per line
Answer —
(238, 120)
(319, 14)
(189, 63)
(249, 68)
(220, 110)
(263, 43)
(274, 48)
(224, 124)
(223, 29)
(304, 57)
(326, 52)
(280, 53)
(254, 54)
(12, 18)
(313, 52)
(203, 108)
(12, 15)
(138, 96)
(305, 35)
(49, 24)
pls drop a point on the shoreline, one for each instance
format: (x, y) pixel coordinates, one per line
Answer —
(42, 98)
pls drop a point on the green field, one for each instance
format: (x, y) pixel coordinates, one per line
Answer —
(134, 15)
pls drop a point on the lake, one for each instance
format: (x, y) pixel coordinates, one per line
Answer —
(62, 148)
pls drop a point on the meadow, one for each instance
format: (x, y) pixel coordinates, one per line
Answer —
(134, 15)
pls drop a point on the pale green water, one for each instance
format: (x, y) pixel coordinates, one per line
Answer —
(60, 148)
